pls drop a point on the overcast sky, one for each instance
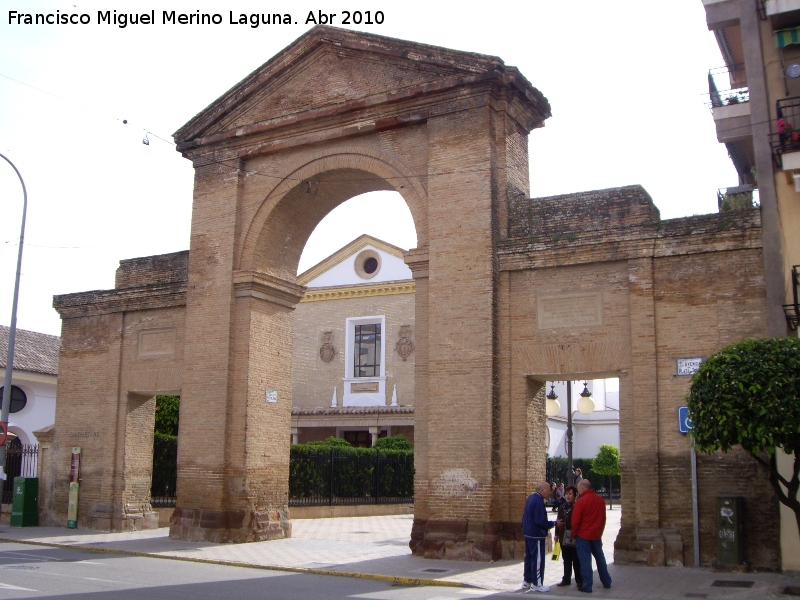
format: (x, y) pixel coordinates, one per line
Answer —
(625, 80)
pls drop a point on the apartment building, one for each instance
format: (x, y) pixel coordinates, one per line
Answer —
(755, 102)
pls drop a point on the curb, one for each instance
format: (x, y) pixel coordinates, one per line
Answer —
(418, 581)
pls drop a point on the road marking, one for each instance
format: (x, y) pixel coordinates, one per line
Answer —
(38, 557)
(6, 586)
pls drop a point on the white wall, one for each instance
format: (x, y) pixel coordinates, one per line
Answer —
(392, 268)
(590, 431)
(40, 411)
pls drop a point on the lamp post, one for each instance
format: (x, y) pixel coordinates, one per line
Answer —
(12, 330)
(585, 406)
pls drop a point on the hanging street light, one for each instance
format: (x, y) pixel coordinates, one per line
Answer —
(552, 407)
(585, 406)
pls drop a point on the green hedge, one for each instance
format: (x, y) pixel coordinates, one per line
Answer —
(353, 473)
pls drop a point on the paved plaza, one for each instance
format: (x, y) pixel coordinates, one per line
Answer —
(377, 547)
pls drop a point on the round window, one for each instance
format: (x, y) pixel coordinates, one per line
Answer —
(367, 263)
(18, 399)
(371, 265)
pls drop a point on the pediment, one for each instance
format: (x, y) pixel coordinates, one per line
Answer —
(329, 70)
(329, 78)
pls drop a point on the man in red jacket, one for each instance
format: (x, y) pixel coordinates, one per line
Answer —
(588, 523)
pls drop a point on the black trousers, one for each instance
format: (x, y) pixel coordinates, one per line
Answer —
(571, 562)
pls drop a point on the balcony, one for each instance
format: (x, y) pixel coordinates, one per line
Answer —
(792, 311)
(785, 141)
(737, 198)
(729, 100)
(782, 13)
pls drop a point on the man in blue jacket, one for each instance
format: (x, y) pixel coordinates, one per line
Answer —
(535, 527)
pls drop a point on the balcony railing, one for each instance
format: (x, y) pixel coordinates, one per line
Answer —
(761, 7)
(737, 198)
(728, 85)
(792, 311)
(786, 136)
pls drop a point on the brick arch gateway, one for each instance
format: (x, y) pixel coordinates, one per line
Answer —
(510, 292)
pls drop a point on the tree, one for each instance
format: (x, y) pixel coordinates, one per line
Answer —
(748, 394)
(607, 463)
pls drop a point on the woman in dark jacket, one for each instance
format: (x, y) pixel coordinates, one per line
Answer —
(564, 526)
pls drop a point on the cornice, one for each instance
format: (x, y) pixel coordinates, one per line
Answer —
(267, 287)
(101, 302)
(359, 291)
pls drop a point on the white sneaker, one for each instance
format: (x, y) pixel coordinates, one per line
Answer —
(539, 588)
(525, 587)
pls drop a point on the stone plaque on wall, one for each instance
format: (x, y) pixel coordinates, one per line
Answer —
(356, 388)
(582, 309)
(157, 342)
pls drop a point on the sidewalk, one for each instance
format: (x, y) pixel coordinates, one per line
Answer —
(377, 547)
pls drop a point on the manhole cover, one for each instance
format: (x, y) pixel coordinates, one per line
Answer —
(733, 584)
(436, 570)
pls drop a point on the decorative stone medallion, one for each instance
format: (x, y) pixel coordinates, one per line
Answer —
(405, 345)
(327, 351)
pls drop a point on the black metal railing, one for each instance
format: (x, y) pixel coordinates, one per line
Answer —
(337, 476)
(792, 311)
(737, 198)
(165, 473)
(786, 130)
(21, 461)
(761, 8)
(728, 85)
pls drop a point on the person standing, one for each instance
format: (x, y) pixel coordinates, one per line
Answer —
(566, 539)
(588, 524)
(535, 527)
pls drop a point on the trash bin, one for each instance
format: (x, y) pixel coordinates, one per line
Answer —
(25, 506)
(730, 550)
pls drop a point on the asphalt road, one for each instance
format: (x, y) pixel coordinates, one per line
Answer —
(39, 572)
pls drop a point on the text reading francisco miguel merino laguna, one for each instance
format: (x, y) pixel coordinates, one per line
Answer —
(171, 17)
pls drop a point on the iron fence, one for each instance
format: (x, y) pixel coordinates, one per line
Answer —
(165, 473)
(21, 461)
(337, 476)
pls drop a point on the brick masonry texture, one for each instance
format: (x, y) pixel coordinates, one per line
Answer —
(337, 114)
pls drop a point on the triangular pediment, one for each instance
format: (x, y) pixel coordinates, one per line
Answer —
(328, 78)
(331, 70)
(339, 268)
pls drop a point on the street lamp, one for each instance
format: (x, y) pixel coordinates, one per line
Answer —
(585, 406)
(12, 330)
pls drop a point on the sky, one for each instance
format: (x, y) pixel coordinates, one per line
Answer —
(625, 79)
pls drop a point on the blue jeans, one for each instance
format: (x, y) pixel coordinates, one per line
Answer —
(587, 549)
(534, 561)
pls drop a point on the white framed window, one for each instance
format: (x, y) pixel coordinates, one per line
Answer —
(365, 361)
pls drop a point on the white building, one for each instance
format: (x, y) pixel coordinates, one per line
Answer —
(33, 391)
(589, 431)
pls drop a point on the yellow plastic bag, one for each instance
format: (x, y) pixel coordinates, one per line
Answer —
(557, 550)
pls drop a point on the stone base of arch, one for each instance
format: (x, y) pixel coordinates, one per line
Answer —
(651, 547)
(196, 524)
(467, 540)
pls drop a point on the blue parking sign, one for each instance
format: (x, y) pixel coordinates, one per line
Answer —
(684, 422)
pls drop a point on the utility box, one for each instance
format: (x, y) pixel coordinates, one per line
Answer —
(25, 506)
(730, 550)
